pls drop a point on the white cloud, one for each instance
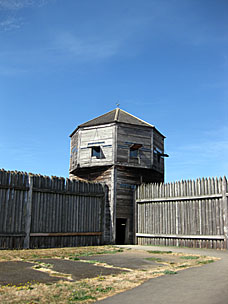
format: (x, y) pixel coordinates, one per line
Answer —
(11, 23)
(19, 4)
(10, 19)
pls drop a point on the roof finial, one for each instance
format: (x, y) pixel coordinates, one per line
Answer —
(117, 105)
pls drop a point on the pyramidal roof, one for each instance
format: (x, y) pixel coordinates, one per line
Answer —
(116, 115)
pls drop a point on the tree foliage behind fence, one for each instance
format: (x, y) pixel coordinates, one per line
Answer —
(186, 213)
(38, 211)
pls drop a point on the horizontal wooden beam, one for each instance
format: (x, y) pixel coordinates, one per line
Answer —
(12, 234)
(52, 234)
(180, 198)
(54, 191)
(181, 236)
(66, 234)
(22, 188)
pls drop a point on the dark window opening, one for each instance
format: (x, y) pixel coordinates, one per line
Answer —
(96, 152)
(134, 150)
(121, 231)
(134, 153)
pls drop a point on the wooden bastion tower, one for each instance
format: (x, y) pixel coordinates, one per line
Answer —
(121, 151)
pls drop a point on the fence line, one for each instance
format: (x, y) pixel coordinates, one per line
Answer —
(185, 213)
(38, 211)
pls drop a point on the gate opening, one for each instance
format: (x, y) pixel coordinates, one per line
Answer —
(120, 230)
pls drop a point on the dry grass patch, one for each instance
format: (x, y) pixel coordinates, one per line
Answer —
(61, 253)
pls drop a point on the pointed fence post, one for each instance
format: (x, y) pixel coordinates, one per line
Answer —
(28, 214)
(225, 210)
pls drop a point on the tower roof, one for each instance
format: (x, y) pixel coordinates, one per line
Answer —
(116, 115)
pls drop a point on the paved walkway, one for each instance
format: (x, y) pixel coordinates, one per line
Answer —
(207, 284)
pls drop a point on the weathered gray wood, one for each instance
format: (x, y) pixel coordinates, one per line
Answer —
(66, 234)
(225, 210)
(192, 213)
(28, 214)
(50, 218)
(179, 198)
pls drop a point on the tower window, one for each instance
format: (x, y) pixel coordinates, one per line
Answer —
(96, 152)
(134, 150)
(134, 153)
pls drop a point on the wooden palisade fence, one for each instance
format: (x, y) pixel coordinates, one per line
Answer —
(38, 211)
(186, 213)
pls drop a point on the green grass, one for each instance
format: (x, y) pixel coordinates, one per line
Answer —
(91, 261)
(159, 252)
(80, 295)
(205, 262)
(190, 257)
(91, 253)
(170, 272)
(86, 292)
(74, 258)
(106, 289)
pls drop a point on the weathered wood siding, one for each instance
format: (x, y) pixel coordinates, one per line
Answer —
(13, 198)
(126, 181)
(158, 143)
(187, 213)
(39, 212)
(128, 135)
(102, 175)
(84, 139)
(74, 151)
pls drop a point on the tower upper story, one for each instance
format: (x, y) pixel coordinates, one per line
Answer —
(117, 138)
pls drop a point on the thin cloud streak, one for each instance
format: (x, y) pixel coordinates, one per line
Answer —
(11, 9)
(20, 4)
(11, 23)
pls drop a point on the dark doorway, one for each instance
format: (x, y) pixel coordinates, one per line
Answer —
(120, 230)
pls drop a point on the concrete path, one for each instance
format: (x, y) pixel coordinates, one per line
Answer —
(207, 284)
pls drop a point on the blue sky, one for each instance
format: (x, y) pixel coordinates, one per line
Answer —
(64, 62)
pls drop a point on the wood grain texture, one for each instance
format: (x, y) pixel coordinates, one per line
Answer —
(53, 212)
(186, 213)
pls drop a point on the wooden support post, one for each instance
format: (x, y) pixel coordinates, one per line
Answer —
(225, 210)
(103, 207)
(135, 218)
(28, 214)
(113, 204)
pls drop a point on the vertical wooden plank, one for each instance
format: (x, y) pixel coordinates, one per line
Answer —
(225, 210)
(177, 212)
(6, 203)
(135, 227)
(28, 214)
